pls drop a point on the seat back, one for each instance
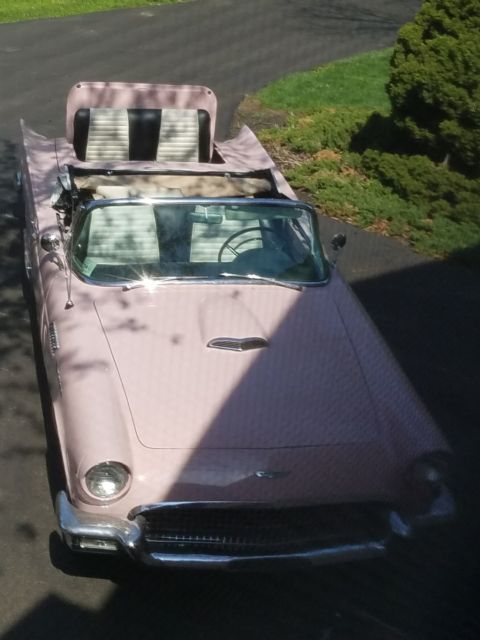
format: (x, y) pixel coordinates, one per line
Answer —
(179, 137)
(108, 135)
(111, 239)
(165, 135)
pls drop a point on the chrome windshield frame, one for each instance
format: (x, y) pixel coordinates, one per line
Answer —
(88, 206)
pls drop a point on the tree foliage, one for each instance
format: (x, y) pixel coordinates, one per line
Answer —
(434, 84)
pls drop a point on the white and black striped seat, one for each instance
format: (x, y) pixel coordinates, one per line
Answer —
(111, 240)
(165, 135)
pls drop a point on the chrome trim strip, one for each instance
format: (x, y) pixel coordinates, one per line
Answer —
(213, 504)
(194, 280)
(59, 380)
(274, 202)
(26, 256)
(53, 337)
(237, 344)
(341, 553)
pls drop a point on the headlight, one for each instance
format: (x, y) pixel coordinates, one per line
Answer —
(428, 474)
(426, 478)
(106, 480)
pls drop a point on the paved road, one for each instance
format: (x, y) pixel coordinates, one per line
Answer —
(429, 313)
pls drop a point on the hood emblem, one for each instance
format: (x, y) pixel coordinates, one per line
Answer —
(237, 344)
(271, 475)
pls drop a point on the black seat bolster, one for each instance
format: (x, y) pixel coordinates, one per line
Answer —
(81, 124)
(144, 131)
(204, 136)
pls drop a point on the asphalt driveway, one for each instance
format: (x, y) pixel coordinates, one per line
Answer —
(429, 312)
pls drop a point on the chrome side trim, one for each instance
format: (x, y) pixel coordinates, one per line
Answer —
(271, 475)
(237, 344)
(53, 337)
(59, 380)
(26, 256)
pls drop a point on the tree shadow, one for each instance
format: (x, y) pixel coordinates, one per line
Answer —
(380, 132)
(374, 16)
(15, 344)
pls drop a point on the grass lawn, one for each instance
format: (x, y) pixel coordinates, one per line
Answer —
(14, 10)
(330, 132)
(355, 82)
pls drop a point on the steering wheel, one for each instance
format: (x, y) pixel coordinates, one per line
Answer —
(234, 250)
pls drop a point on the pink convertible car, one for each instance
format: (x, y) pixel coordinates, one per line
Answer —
(221, 398)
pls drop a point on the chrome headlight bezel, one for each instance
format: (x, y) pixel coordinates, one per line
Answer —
(115, 476)
(427, 477)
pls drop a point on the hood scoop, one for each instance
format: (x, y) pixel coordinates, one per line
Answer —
(237, 344)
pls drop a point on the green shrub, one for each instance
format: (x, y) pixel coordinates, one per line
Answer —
(434, 82)
(343, 155)
(325, 129)
(440, 191)
(448, 238)
(339, 189)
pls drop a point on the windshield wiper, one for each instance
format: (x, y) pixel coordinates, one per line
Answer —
(153, 282)
(254, 276)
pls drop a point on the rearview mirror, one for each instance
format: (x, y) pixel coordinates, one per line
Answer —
(209, 214)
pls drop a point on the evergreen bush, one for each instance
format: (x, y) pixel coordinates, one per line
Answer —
(422, 182)
(434, 84)
(327, 128)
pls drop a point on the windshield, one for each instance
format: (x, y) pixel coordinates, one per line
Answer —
(118, 242)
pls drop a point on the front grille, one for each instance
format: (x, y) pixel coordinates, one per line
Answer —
(259, 530)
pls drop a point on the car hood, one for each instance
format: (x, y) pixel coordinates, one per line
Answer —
(305, 388)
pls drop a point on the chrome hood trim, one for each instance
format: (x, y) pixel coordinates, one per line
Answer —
(237, 344)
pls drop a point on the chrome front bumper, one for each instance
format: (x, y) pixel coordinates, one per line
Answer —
(85, 532)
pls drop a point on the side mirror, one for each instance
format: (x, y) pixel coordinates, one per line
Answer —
(50, 242)
(338, 241)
